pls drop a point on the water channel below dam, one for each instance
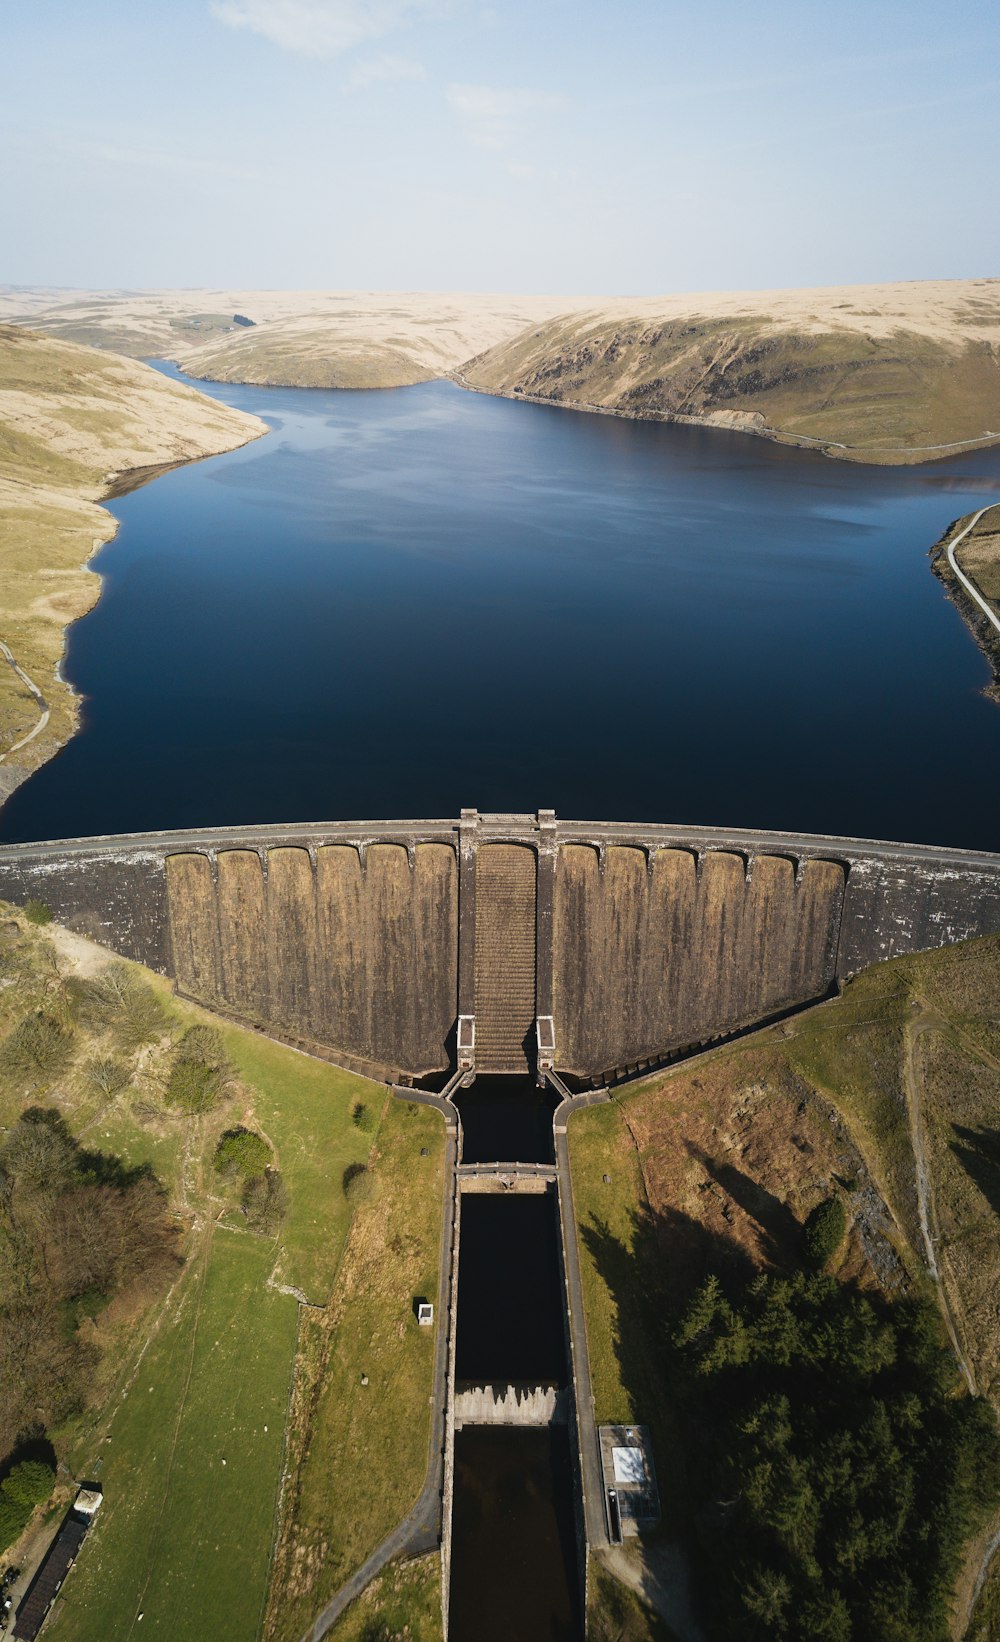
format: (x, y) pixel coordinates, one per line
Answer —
(515, 1565)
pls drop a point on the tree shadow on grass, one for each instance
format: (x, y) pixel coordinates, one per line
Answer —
(978, 1151)
(781, 1230)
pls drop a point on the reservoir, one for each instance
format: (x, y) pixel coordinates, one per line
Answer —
(404, 602)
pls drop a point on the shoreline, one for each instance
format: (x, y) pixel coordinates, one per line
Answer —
(982, 627)
(749, 422)
(117, 484)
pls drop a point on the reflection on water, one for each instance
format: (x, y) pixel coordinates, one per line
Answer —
(404, 602)
(514, 1563)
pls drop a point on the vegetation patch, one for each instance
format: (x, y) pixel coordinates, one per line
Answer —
(714, 1170)
(241, 1154)
(165, 1391)
(77, 1230)
(361, 1424)
(837, 1474)
(190, 1463)
(402, 1605)
(617, 1614)
(200, 1070)
(28, 1483)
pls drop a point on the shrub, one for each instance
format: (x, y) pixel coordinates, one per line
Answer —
(107, 1075)
(29, 1482)
(241, 1152)
(363, 1118)
(26, 1486)
(13, 1520)
(200, 1070)
(38, 1153)
(37, 912)
(823, 1233)
(360, 1185)
(38, 1048)
(119, 1000)
(265, 1201)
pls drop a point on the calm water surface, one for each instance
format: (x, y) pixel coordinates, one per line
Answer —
(506, 1120)
(510, 1297)
(514, 1571)
(404, 602)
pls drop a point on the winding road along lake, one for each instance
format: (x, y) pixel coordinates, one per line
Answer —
(404, 602)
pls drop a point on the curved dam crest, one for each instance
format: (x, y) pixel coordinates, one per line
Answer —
(501, 943)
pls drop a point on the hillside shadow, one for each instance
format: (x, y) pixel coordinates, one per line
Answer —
(978, 1151)
(651, 1275)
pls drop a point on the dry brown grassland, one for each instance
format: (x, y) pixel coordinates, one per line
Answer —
(717, 1163)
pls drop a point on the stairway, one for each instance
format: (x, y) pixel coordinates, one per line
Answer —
(505, 956)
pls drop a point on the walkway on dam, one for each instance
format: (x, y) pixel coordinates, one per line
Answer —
(590, 1448)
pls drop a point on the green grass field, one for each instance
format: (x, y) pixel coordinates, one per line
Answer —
(192, 1466)
(304, 1108)
(359, 1453)
(600, 1144)
(193, 1379)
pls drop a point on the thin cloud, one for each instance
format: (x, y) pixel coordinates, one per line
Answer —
(384, 70)
(319, 28)
(493, 115)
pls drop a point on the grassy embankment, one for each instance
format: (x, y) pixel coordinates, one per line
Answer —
(877, 374)
(185, 1426)
(402, 1603)
(716, 1165)
(979, 557)
(70, 419)
(358, 1453)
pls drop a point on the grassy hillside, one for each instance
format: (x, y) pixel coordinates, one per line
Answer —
(71, 419)
(308, 339)
(877, 374)
(194, 1400)
(887, 1098)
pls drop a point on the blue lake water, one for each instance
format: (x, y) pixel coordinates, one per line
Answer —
(404, 602)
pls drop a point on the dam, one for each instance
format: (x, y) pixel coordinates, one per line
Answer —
(506, 968)
(414, 951)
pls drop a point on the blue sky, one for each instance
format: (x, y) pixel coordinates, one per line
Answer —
(582, 147)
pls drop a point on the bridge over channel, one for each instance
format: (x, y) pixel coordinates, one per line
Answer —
(411, 949)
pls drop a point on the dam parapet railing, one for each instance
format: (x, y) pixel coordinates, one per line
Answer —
(618, 943)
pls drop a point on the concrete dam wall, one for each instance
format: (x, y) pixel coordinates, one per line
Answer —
(397, 948)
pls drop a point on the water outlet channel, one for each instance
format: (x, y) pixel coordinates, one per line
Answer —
(515, 1532)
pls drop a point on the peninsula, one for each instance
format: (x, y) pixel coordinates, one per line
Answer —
(73, 424)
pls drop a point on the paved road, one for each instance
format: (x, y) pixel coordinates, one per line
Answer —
(43, 706)
(420, 1531)
(972, 591)
(590, 1453)
(650, 834)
